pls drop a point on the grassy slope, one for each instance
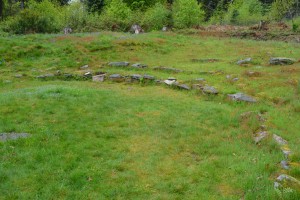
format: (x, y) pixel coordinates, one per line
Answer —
(124, 141)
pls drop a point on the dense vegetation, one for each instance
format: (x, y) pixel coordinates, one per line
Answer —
(50, 16)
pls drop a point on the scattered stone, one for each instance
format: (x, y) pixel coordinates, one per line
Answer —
(209, 90)
(279, 140)
(287, 181)
(286, 153)
(282, 61)
(205, 60)
(68, 75)
(148, 77)
(58, 72)
(139, 65)
(116, 77)
(260, 136)
(170, 82)
(159, 81)
(13, 136)
(164, 29)
(197, 86)
(172, 79)
(242, 97)
(285, 165)
(88, 74)
(183, 86)
(263, 127)
(136, 29)
(45, 76)
(136, 77)
(235, 79)
(253, 74)
(229, 77)
(118, 64)
(67, 30)
(246, 61)
(99, 78)
(84, 67)
(168, 69)
(18, 76)
(200, 79)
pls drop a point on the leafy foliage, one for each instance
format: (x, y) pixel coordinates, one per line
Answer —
(156, 17)
(187, 13)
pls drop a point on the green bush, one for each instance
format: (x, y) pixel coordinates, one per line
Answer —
(187, 13)
(280, 8)
(244, 12)
(117, 16)
(156, 18)
(42, 17)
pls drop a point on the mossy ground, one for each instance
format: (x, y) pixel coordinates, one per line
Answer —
(132, 141)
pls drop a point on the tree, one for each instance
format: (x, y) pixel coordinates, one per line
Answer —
(280, 8)
(1, 8)
(95, 5)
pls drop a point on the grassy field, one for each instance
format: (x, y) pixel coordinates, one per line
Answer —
(145, 141)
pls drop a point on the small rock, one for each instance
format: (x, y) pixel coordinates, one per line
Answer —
(148, 77)
(246, 61)
(183, 86)
(235, 79)
(45, 76)
(13, 136)
(253, 74)
(260, 136)
(88, 74)
(118, 64)
(197, 86)
(84, 67)
(18, 76)
(139, 65)
(285, 165)
(282, 61)
(116, 77)
(172, 79)
(286, 153)
(136, 29)
(288, 181)
(170, 82)
(99, 78)
(168, 69)
(242, 97)
(164, 29)
(209, 90)
(200, 79)
(279, 140)
(136, 77)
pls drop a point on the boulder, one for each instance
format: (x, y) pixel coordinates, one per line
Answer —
(241, 97)
(116, 77)
(13, 136)
(245, 61)
(118, 64)
(139, 65)
(136, 29)
(99, 78)
(260, 136)
(136, 77)
(279, 140)
(209, 90)
(167, 69)
(282, 61)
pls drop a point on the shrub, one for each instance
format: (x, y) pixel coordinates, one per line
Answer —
(280, 8)
(156, 18)
(42, 17)
(76, 16)
(187, 13)
(116, 16)
(244, 12)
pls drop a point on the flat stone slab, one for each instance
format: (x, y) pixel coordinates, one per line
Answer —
(139, 65)
(99, 78)
(170, 82)
(282, 61)
(279, 140)
(118, 64)
(84, 67)
(242, 97)
(148, 77)
(245, 61)
(183, 86)
(260, 136)
(136, 77)
(13, 136)
(116, 77)
(167, 69)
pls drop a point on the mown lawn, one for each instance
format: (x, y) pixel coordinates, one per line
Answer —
(134, 141)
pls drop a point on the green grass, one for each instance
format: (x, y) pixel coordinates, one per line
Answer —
(131, 141)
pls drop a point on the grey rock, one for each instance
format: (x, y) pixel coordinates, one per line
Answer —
(279, 140)
(286, 153)
(136, 29)
(285, 165)
(197, 86)
(99, 78)
(84, 67)
(170, 82)
(116, 77)
(164, 29)
(172, 79)
(136, 77)
(183, 86)
(209, 90)
(118, 64)
(260, 136)
(242, 97)
(245, 61)
(88, 74)
(45, 76)
(13, 136)
(282, 61)
(18, 76)
(167, 69)
(235, 79)
(288, 180)
(200, 79)
(148, 77)
(139, 65)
